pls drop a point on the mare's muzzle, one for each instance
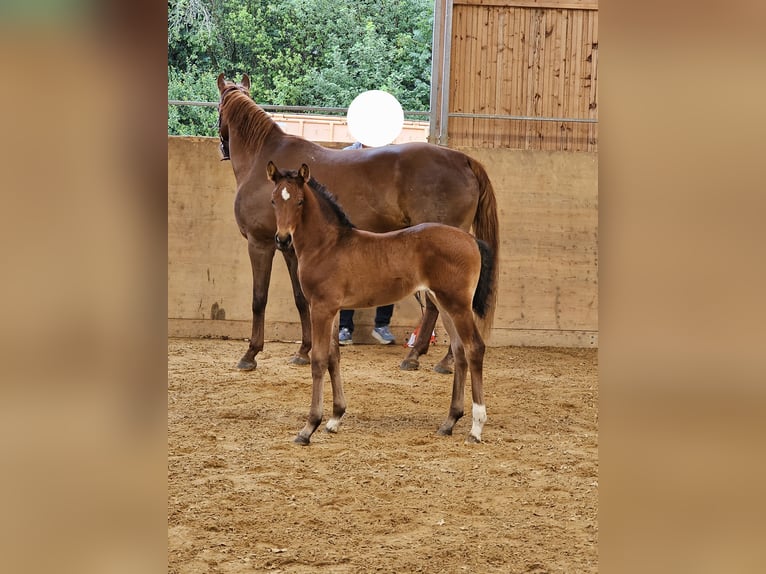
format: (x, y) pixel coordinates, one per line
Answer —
(283, 243)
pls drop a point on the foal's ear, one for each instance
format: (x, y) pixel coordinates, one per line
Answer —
(304, 172)
(221, 82)
(245, 81)
(272, 171)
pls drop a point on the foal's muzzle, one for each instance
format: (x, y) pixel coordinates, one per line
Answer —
(283, 243)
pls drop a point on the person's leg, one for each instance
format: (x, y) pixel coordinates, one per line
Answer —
(383, 315)
(381, 333)
(346, 327)
(347, 320)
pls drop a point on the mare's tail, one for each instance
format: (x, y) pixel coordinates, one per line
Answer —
(485, 296)
(486, 229)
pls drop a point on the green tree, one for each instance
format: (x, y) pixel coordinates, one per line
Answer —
(297, 52)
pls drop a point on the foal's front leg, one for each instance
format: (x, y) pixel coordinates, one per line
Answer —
(321, 332)
(458, 378)
(302, 356)
(338, 398)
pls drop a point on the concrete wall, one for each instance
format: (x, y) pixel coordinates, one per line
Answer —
(548, 209)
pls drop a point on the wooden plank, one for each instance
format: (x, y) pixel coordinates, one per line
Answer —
(529, 54)
(474, 72)
(501, 74)
(561, 74)
(580, 103)
(594, 87)
(569, 80)
(458, 76)
(518, 67)
(549, 128)
(485, 126)
(553, 4)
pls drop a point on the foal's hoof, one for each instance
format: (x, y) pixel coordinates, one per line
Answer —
(410, 365)
(245, 365)
(299, 360)
(472, 440)
(443, 368)
(301, 440)
(444, 431)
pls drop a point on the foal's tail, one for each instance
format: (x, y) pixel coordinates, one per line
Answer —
(485, 296)
(486, 229)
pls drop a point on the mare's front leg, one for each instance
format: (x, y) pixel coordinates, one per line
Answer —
(321, 333)
(302, 356)
(261, 257)
(423, 341)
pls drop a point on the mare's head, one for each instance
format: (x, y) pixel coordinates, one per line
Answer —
(224, 89)
(287, 199)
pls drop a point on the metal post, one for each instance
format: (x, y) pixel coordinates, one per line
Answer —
(440, 65)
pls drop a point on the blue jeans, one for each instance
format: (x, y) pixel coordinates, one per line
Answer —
(382, 317)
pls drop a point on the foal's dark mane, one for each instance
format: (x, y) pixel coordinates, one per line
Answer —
(328, 200)
(247, 117)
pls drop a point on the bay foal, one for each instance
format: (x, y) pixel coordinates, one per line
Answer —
(334, 258)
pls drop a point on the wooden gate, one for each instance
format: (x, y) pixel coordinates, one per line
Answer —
(499, 63)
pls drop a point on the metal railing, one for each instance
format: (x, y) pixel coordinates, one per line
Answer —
(522, 118)
(297, 109)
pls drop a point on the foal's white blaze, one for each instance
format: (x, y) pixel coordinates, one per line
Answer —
(285, 194)
(479, 418)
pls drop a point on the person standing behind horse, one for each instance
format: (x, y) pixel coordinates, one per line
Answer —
(381, 332)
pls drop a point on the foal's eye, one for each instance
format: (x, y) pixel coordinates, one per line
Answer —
(300, 202)
(273, 202)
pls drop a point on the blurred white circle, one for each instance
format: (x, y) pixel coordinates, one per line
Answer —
(375, 118)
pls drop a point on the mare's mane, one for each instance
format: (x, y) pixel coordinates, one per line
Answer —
(330, 203)
(252, 122)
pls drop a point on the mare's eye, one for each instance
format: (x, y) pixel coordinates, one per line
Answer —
(272, 202)
(300, 202)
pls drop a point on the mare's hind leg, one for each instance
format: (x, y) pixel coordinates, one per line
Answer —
(423, 341)
(302, 356)
(261, 258)
(333, 366)
(456, 407)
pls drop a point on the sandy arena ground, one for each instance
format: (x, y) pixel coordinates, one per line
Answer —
(385, 494)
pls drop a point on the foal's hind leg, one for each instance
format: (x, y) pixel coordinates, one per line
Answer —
(474, 348)
(423, 341)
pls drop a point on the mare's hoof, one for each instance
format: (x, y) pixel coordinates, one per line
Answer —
(443, 369)
(298, 360)
(444, 432)
(245, 365)
(472, 440)
(410, 365)
(301, 440)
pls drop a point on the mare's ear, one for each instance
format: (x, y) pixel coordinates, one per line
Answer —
(221, 82)
(304, 172)
(272, 171)
(245, 82)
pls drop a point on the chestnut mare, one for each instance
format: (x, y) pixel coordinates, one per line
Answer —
(382, 189)
(340, 266)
